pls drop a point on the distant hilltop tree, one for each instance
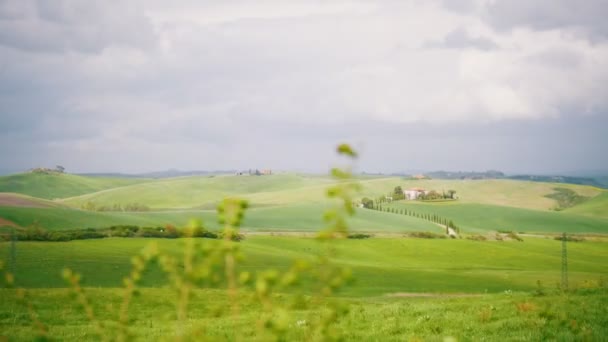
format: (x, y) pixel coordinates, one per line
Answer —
(59, 168)
(47, 171)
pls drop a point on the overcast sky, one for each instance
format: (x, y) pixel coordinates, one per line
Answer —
(133, 86)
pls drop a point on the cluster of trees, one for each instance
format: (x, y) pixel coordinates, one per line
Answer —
(566, 198)
(36, 233)
(91, 206)
(46, 170)
(398, 194)
(434, 195)
(490, 174)
(426, 235)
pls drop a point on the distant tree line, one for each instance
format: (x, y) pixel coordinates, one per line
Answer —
(370, 204)
(91, 206)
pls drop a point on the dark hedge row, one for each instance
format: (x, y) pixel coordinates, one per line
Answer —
(125, 231)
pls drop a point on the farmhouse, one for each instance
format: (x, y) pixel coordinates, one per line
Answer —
(414, 193)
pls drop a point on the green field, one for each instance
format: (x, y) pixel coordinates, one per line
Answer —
(381, 265)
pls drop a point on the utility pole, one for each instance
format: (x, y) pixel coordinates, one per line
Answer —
(564, 263)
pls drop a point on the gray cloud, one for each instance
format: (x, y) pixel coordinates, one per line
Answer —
(71, 25)
(459, 39)
(589, 15)
(582, 17)
(156, 85)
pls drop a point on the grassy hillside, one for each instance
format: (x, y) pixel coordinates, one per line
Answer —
(381, 266)
(204, 192)
(480, 218)
(55, 185)
(597, 206)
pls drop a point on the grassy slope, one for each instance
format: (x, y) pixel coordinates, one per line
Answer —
(597, 206)
(52, 186)
(381, 266)
(189, 192)
(283, 218)
(480, 218)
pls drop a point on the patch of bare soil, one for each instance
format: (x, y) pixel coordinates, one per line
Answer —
(7, 223)
(14, 200)
(432, 295)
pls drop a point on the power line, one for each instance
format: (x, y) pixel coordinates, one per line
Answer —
(564, 263)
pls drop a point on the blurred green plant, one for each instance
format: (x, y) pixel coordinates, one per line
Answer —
(208, 263)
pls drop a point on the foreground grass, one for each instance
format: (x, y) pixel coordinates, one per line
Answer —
(381, 265)
(519, 316)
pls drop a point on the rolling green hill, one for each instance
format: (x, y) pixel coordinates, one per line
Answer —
(56, 185)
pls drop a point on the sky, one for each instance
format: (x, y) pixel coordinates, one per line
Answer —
(136, 86)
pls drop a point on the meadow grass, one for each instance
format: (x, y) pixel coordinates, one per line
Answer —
(514, 316)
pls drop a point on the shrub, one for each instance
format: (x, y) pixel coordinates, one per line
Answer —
(572, 238)
(514, 236)
(359, 236)
(426, 235)
(123, 231)
(477, 237)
